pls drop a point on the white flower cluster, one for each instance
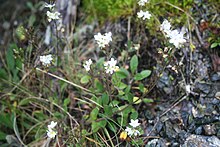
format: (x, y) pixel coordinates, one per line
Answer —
(110, 66)
(51, 132)
(51, 14)
(176, 37)
(46, 60)
(87, 65)
(166, 27)
(142, 2)
(103, 40)
(144, 15)
(132, 131)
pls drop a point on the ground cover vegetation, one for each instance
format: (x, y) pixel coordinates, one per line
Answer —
(110, 73)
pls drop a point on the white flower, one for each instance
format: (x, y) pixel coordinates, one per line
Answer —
(142, 2)
(144, 15)
(53, 15)
(103, 40)
(110, 66)
(50, 6)
(129, 131)
(51, 133)
(52, 125)
(176, 38)
(46, 60)
(165, 26)
(134, 123)
(88, 64)
(132, 131)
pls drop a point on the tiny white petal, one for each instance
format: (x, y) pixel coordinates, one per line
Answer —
(144, 15)
(87, 65)
(176, 38)
(46, 60)
(134, 123)
(142, 2)
(165, 26)
(129, 131)
(51, 133)
(53, 15)
(52, 125)
(103, 40)
(110, 66)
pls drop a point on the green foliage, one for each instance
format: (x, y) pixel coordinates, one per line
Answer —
(85, 79)
(108, 9)
(134, 64)
(142, 75)
(106, 102)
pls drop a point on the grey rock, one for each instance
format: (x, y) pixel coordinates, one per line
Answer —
(215, 77)
(198, 130)
(201, 141)
(156, 143)
(209, 129)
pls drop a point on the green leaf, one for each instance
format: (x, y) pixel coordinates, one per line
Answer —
(214, 45)
(97, 125)
(99, 86)
(134, 115)
(85, 79)
(134, 64)
(57, 115)
(66, 103)
(24, 102)
(3, 74)
(39, 115)
(94, 114)
(122, 73)
(105, 99)
(108, 110)
(146, 100)
(128, 97)
(141, 87)
(121, 85)
(100, 62)
(127, 90)
(31, 20)
(114, 103)
(112, 127)
(136, 100)
(10, 57)
(142, 75)
(122, 121)
(117, 82)
(30, 5)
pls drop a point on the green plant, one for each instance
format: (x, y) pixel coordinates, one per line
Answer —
(108, 9)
